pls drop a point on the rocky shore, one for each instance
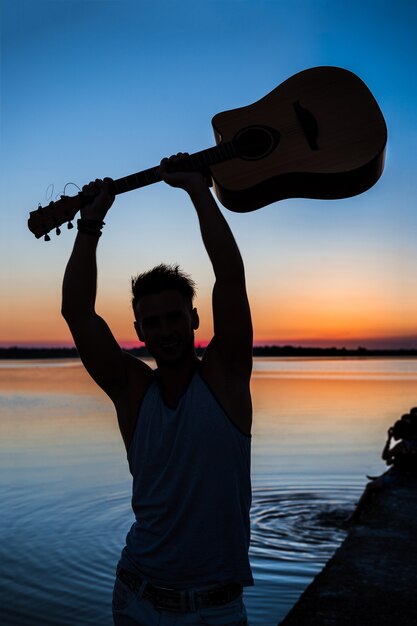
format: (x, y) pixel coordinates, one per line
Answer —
(372, 578)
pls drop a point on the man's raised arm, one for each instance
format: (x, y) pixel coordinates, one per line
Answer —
(98, 349)
(231, 312)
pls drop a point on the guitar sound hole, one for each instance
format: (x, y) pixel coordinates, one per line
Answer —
(255, 142)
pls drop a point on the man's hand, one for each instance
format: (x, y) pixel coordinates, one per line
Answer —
(189, 181)
(101, 199)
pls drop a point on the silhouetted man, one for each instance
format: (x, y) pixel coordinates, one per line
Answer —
(186, 425)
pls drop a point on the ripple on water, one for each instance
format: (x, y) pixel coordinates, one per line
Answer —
(298, 524)
(60, 551)
(294, 531)
(61, 548)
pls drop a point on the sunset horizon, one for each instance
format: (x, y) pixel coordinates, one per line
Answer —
(319, 272)
(354, 343)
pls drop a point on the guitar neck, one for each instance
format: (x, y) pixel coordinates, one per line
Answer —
(199, 161)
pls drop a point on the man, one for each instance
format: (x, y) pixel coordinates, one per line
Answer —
(186, 425)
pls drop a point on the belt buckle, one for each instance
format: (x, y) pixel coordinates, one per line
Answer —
(171, 604)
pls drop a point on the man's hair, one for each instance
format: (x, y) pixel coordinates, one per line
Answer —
(401, 430)
(162, 278)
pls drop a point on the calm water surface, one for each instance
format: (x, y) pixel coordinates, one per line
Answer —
(319, 427)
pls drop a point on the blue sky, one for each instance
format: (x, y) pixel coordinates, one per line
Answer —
(98, 88)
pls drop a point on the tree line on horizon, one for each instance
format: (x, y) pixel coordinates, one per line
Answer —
(17, 352)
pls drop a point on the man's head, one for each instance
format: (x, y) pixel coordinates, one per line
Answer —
(162, 278)
(165, 320)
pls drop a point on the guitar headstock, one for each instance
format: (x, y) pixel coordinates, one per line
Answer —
(53, 215)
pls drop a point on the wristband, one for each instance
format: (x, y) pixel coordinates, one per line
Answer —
(90, 227)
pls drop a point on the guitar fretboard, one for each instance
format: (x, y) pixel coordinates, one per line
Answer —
(199, 161)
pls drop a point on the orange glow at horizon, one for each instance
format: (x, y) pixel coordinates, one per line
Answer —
(317, 318)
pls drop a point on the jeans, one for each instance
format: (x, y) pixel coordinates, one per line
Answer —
(131, 610)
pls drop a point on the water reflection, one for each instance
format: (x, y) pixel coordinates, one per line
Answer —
(352, 368)
(65, 487)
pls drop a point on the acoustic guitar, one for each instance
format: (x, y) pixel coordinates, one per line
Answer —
(320, 134)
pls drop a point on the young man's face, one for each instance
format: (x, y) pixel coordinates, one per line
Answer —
(165, 322)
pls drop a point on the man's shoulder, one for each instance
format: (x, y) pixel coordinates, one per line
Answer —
(230, 383)
(216, 363)
(136, 378)
(138, 372)
(128, 398)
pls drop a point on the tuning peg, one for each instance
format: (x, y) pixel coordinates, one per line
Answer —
(47, 238)
(70, 225)
(58, 230)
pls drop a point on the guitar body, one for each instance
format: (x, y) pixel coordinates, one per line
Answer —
(320, 134)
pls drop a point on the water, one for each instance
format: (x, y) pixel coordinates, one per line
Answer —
(319, 427)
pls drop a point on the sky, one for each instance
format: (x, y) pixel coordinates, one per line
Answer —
(98, 88)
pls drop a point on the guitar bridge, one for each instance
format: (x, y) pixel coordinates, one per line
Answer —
(308, 123)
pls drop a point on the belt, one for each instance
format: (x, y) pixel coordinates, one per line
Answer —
(177, 600)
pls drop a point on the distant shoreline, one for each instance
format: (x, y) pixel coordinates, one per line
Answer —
(265, 351)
